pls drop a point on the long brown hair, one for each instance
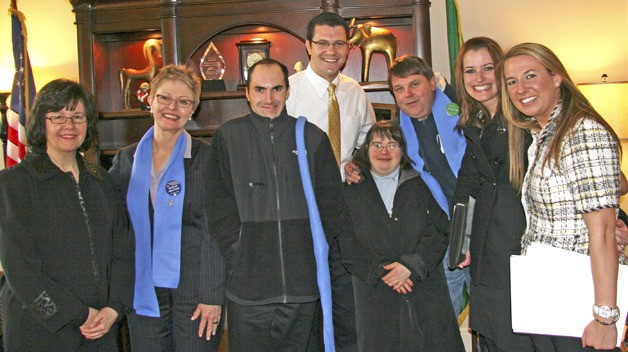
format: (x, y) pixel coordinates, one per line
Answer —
(471, 108)
(574, 104)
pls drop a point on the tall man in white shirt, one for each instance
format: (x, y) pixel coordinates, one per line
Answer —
(328, 47)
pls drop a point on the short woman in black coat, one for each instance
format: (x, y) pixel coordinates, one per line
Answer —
(394, 250)
(65, 242)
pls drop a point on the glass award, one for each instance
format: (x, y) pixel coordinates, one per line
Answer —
(212, 64)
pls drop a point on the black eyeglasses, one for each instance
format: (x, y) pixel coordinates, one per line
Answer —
(323, 44)
(391, 147)
(60, 119)
(181, 102)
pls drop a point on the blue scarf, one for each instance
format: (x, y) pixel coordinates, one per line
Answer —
(321, 248)
(454, 144)
(156, 265)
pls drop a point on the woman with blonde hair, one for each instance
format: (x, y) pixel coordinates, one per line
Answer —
(571, 190)
(179, 270)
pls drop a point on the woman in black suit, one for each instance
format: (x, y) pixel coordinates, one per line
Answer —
(179, 270)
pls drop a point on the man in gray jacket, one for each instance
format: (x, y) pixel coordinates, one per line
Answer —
(259, 216)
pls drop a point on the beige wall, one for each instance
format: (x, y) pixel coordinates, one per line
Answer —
(51, 40)
(591, 37)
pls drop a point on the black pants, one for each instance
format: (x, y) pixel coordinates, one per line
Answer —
(345, 336)
(173, 330)
(270, 327)
(543, 343)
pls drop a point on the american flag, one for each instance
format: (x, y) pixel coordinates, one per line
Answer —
(23, 91)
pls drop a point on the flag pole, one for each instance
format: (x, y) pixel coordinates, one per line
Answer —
(454, 33)
(23, 91)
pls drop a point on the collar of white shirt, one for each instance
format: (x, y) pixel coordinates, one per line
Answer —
(319, 83)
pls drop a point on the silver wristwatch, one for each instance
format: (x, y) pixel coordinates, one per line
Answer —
(606, 312)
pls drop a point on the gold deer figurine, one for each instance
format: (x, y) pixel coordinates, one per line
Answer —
(152, 51)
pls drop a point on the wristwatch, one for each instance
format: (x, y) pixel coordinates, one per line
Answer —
(606, 312)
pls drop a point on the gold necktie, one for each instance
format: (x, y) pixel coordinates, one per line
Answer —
(333, 112)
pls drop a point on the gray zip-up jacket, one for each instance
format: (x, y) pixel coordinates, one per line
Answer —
(259, 215)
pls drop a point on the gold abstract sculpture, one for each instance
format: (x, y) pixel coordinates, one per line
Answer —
(371, 40)
(152, 51)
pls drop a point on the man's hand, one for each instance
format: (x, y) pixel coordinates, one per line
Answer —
(209, 319)
(352, 173)
(466, 262)
(100, 324)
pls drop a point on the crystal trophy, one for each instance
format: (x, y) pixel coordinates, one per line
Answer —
(212, 64)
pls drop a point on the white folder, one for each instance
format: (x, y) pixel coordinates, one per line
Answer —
(552, 292)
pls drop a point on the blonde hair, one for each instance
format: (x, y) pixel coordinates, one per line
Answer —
(574, 104)
(179, 73)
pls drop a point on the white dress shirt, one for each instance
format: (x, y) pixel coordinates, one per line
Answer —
(308, 97)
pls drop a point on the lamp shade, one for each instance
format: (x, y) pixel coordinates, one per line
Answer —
(611, 101)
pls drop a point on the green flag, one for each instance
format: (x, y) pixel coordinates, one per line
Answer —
(454, 33)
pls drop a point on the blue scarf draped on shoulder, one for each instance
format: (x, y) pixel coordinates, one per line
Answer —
(453, 142)
(157, 259)
(321, 248)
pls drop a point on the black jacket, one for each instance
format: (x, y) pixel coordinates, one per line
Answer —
(261, 220)
(498, 223)
(202, 266)
(64, 247)
(415, 236)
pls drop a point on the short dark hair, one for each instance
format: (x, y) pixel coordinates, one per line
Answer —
(268, 62)
(408, 65)
(326, 19)
(382, 128)
(54, 96)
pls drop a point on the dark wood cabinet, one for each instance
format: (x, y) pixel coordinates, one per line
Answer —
(111, 34)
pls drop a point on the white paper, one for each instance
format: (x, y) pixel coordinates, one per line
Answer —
(552, 292)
